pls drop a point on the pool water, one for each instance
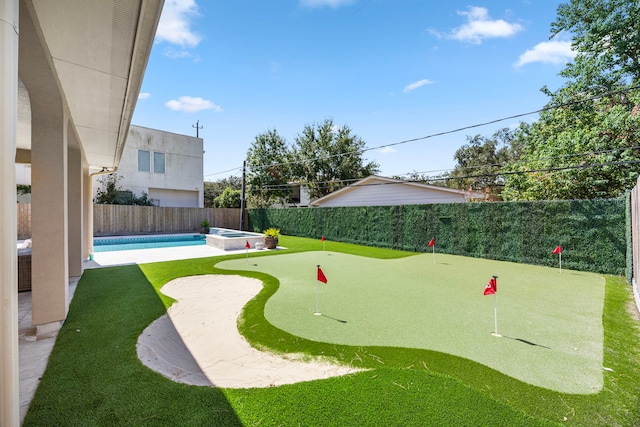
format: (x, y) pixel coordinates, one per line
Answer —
(111, 244)
(224, 232)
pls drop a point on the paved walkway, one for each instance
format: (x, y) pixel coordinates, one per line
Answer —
(34, 350)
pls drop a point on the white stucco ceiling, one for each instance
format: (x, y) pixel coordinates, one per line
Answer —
(99, 51)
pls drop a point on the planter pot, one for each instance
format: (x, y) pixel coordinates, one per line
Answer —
(270, 242)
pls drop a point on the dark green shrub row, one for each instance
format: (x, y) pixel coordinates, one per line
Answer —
(591, 232)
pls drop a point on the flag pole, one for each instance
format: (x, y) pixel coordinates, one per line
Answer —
(432, 243)
(560, 257)
(317, 313)
(495, 315)
(495, 312)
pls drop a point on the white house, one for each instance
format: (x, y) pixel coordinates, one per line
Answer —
(167, 166)
(381, 191)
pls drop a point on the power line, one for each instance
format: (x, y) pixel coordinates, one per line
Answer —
(562, 156)
(486, 175)
(550, 107)
(228, 170)
(434, 135)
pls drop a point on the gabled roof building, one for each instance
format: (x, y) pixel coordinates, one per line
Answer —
(380, 191)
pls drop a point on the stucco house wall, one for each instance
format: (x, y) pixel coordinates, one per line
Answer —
(176, 182)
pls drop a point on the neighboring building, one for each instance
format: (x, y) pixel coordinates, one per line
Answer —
(381, 191)
(167, 166)
(300, 197)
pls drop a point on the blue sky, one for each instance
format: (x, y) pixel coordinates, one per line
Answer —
(391, 70)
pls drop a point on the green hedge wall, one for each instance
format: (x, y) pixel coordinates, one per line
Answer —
(591, 232)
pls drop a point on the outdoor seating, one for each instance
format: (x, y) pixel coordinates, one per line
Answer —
(24, 266)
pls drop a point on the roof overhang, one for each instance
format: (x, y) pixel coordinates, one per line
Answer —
(98, 50)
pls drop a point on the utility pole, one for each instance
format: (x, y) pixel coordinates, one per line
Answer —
(244, 185)
(198, 127)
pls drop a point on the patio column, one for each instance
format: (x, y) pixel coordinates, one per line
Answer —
(75, 207)
(87, 211)
(9, 370)
(49, 219)
(49, 172)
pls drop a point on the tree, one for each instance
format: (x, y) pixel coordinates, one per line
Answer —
(214, 189)
(229, 198)
(578, 152)
(480, 161)
(441, 180)
(606, 39)
(23, 189)
(111, 193)
(326, 158)
(581, 146)
(268, 173)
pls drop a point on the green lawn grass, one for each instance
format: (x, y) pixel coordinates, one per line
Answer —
(95, 379)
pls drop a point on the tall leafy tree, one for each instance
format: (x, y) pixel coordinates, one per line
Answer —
(229, 198)
(606, 39)
(213, 189)
(582, 147)
(326, 158)
(578, 152)
(268, 174)
(480, 161)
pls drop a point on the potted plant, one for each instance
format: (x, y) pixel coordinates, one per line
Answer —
(271, 237)
(204, 227)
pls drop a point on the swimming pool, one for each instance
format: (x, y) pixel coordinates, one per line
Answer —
(125, 243)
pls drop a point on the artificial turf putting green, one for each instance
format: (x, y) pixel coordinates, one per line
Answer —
(551, 322)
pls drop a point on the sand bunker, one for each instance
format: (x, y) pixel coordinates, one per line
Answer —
(197, 341)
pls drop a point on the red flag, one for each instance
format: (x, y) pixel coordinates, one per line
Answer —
(323, 239)
(432, 242)
(492, 287)
(248, 246)
(321, 277)
(557, 250)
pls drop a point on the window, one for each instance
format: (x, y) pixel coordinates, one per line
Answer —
(158, 162)
(144, 161)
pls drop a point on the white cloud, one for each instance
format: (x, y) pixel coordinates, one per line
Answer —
(321, 3)
(144, 95)
(416, 85)
(387, 150)
(551, 52)
(175, 23)
(480, 26)
(191, 105)
(177, 53)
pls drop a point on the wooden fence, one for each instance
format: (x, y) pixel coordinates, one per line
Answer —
(120, 220)
(24, 221)
(114, 220)
(635, 241)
